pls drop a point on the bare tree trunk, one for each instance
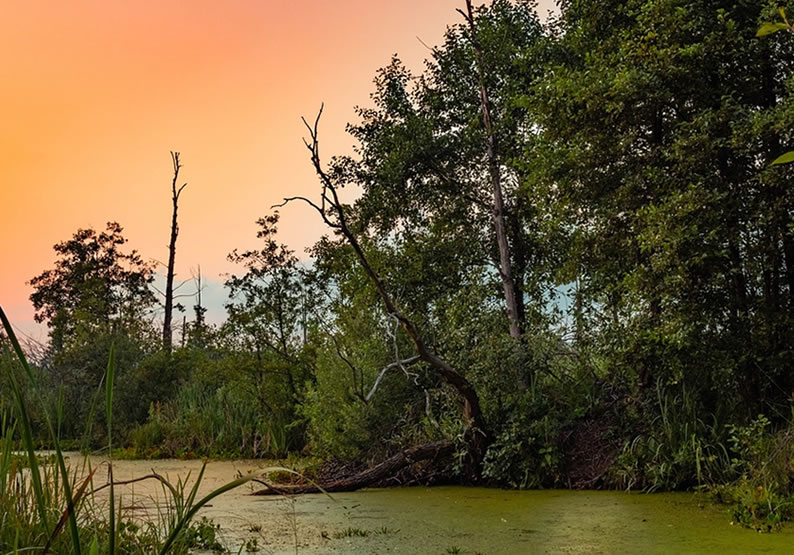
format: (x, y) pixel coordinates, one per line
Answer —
(169, 279)
(498, 211)
(333, 214)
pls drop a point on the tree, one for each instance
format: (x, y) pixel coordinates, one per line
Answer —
(169, 278)
(93, 288)
(333, 214)
(96, 296)
(660, 118)
(441, 165)
(495, 175)
(197, 334)
(269, 314)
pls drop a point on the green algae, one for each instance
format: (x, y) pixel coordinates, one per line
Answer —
(488, 521)
(436, 520)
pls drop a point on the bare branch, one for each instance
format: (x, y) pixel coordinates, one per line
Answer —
(176, 287)
(396, 364)
(153, 476)
(287, 200)
(423, 43)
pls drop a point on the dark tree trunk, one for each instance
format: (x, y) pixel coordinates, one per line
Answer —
(169, 279)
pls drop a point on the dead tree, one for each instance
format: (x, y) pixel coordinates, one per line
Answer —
(169, 279)
(332, 212)
(378, 473)
(495, 175)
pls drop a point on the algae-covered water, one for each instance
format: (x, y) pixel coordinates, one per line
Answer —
(454, 519)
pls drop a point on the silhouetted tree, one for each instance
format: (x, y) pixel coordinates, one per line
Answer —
(169, 279)
(93, 287)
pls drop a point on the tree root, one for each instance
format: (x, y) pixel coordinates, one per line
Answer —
(382, 471)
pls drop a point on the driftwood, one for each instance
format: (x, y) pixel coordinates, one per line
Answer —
(386, 469)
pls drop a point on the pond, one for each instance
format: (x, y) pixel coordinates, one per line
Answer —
(450, 519)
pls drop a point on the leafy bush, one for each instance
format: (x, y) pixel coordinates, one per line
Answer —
(526, 454)
(763, 497)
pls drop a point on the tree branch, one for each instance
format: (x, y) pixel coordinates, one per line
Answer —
(476, 427)
(397, 363)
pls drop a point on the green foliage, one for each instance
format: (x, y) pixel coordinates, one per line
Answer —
(656, 119)
(762, 497)
(201, 422)
(526, 454)
(679, 448)
(93, 288)
(203, 534)
(760, 508)
(33, 498)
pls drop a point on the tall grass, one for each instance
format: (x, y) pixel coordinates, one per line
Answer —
(225, 422)
(38, 499)
(681, 448)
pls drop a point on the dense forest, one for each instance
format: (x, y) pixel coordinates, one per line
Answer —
(569, 263)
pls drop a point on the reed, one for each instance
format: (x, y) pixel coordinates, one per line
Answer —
(39, 500)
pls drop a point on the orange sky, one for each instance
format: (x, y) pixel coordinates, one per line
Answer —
(97, 92)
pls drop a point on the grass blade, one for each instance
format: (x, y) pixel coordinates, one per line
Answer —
(29, 442)
(27, 432)
(109, 377)
(78, 495)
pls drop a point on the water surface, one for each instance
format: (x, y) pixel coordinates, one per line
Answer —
(443, 519)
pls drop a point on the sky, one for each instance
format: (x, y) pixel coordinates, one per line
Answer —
(96, 93)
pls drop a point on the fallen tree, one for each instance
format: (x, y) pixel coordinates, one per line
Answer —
(388, 468)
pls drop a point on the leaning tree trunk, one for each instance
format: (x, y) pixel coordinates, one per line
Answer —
(333, 214)
(169, 279)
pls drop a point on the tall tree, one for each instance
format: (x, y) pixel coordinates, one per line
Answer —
(495, 175)
(335, 216)
(169, 278)
(441, 164)
(267, 308)
(97, 295)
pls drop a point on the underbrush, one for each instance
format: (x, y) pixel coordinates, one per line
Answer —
(50, 507)
(660, 443)
(224, 423)
(679, 448)
(762, 497)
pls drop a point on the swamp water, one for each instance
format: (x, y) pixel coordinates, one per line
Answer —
(448, 519)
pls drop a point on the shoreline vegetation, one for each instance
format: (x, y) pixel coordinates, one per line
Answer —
(570, 264)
